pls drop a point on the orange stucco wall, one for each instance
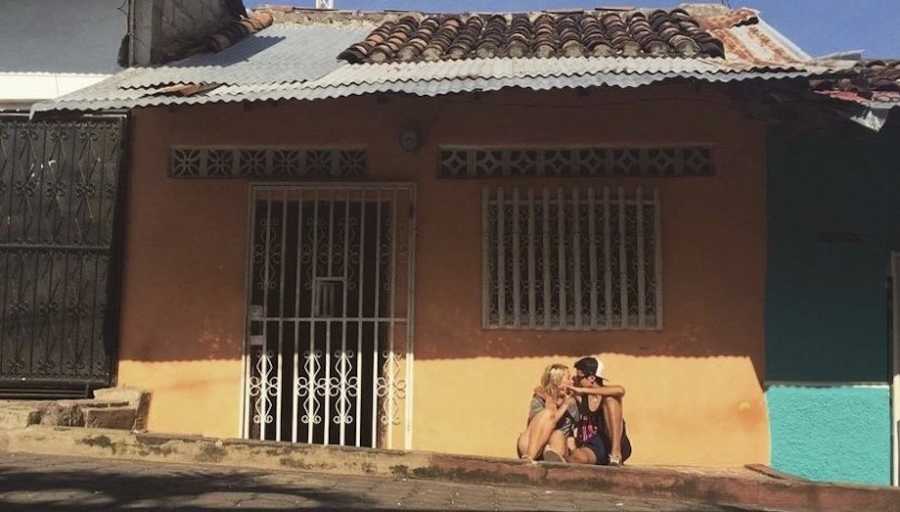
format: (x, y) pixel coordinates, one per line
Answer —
(694, 393)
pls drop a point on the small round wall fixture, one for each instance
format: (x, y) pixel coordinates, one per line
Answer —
(410, 139)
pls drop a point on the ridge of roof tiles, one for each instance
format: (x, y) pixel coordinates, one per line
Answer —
(876, 81)
(866, 78)
(631, 33)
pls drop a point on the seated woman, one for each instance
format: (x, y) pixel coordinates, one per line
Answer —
(547, 412)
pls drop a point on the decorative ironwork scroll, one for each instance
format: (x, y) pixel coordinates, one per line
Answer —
(576, 162)
(268, 163)
(58, 198)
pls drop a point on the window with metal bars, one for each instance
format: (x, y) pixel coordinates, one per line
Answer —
(575, 258)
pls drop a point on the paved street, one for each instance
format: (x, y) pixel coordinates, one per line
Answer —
(56, 483)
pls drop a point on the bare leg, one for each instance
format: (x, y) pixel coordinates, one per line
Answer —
(612, 414)
(583, 456)
(522, 444)
(570, 445)
(557, 443)
(539, 430)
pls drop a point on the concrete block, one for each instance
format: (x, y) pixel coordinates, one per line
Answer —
(120, 394)
(120, 418)
(138, 399)
(59, 415)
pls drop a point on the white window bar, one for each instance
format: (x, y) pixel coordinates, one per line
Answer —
(281, 276)
(328, 324)
(343, 401)
(640, 255)
(312, 366)
(623, 261)
(377, 313)
(532, 303)
(546, 249)
(264, 355)
(607, 253)
(359, 313)
(619, 287)
(658, 267)
(561, 246)
(295, 397)
(592, 227)
(501, 259)
(390, 392)
(485, 247)
(515, 239)
(576, 251)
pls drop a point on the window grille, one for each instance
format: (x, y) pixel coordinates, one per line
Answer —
(267, 162)
(571, 258)
(580, 162)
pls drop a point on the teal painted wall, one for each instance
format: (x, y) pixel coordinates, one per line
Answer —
(833, 206)
(831, 433)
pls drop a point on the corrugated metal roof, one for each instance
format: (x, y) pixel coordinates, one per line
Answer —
(499, 68)
(291, 61)
(316, 90)
(281, 53)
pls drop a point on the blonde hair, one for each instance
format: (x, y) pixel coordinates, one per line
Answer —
(552, 379)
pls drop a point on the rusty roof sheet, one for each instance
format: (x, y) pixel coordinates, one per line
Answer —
(873, 83)
(296, 58)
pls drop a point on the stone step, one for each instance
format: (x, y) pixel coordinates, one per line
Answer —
(105, 416)
(114, 414)
(16, 413)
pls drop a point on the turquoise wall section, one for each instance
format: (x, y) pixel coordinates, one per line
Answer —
(833, 218)
(833, 206)
(831, 433)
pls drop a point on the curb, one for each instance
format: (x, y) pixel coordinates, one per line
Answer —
(754, 490)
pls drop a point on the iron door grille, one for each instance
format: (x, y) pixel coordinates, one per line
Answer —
(329, 358)
(58, 197)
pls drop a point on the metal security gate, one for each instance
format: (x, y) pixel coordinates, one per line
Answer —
(330, 351)
(58, 197)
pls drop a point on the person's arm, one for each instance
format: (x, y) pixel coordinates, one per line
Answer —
(607, 390)
(563, 408)
(548, 401)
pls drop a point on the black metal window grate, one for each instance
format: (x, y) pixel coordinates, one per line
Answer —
(571, 258)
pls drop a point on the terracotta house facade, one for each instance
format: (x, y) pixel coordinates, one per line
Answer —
(465, 375)
(389, 250)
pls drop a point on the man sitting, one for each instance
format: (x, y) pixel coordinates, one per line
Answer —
(600, 436)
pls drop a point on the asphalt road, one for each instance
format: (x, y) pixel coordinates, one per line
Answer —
(59, 483)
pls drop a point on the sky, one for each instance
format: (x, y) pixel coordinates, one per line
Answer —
(818, 26)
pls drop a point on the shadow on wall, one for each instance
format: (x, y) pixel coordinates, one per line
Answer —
(833, 222)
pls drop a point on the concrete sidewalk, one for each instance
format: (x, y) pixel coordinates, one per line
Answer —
(49, 483)
(738, 487)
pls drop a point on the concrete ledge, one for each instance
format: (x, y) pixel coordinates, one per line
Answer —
(723, 487)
